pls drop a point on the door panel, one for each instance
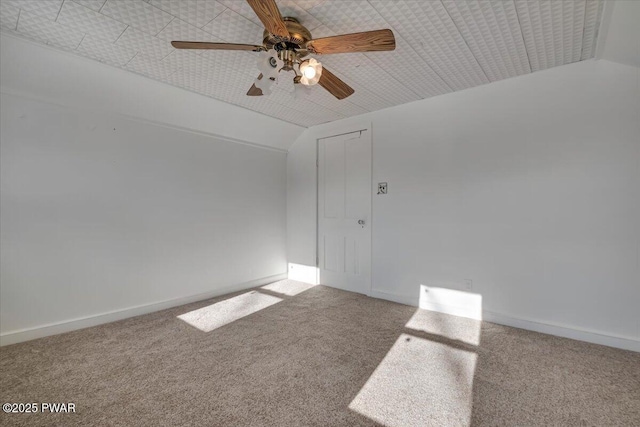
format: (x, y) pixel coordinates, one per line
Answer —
(332, 253)
(344, 198)
(357, 179)
(334, 173)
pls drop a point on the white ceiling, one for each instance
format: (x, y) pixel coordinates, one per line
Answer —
(442, 46)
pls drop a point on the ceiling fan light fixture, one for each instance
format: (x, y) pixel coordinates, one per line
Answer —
(285, 42)
(269, 64)
(264, 84)
(311, 71)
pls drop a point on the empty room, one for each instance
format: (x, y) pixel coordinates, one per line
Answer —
(320, 213)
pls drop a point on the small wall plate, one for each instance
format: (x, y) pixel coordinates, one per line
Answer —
(382, 188)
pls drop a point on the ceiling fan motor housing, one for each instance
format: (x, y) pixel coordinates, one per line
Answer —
(298, 37)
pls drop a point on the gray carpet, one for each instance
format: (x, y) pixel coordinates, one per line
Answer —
(321, 357)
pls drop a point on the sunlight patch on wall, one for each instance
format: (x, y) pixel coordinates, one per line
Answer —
(451, 301)
(221, 313)
(288, 287)
(303, 273)
(419, 382)
(454, 328)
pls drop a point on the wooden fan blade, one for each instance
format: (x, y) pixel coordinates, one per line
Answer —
(334, 85)
(254, 90)
(369, 41)
(269, 14)
(216, 46)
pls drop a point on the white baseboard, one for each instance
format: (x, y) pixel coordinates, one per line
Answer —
(563, 331)
(401, 299)
(530, 325)
(28, 334)
(453, 310)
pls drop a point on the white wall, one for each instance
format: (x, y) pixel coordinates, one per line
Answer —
(63, 78)
(529, 186)
(301, 202)
(102, 213)
(106, 215)
(619, 39)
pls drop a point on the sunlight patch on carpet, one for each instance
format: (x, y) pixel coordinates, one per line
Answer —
(221, 313)
(454, 328)
(288, 287)
(418, 383)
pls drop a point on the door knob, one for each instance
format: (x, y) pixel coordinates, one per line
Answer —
(361, 221)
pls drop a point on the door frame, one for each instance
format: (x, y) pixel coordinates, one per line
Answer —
(364, 126)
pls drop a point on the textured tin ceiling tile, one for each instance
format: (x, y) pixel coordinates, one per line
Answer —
(48, 32)
(182, 30)
(360, 69)
(201, 65)
(150, 67)
(320, 96)
(348, 16)
(322, 31)
(138, 14)
(287, 8)
(105, 51)
(283, 96)
(92, 4)
(357, 16)
(414, 73)
(308, 4)
(90, 22)
(239, 62)
(440, 45)
(593, 13)
(195, 12)
(234, 28)
(402, 71)
(45, 8)
(295, 10)
(142, 42)
(182, 78)
(433, 35)
(574, 15)
(552, 31)
(367, 99)
(493, 35)
(182, 58)
(9, 16)
(260, 103)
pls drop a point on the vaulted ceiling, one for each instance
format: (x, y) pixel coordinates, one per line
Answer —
(442, 46)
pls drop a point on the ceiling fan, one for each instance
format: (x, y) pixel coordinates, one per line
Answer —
(285, 45)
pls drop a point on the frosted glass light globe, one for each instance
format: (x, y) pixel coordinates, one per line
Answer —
(309, 72)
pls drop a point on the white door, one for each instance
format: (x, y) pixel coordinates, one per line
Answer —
(344, 211)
